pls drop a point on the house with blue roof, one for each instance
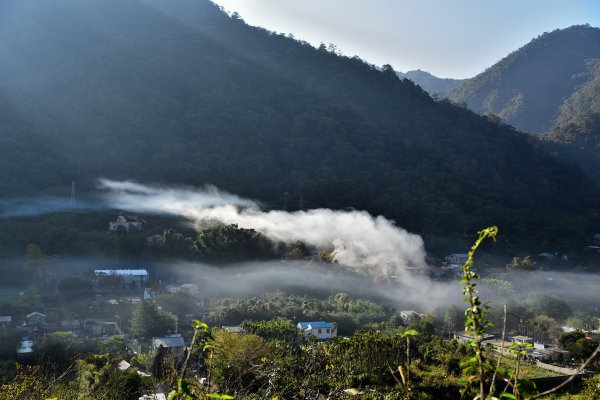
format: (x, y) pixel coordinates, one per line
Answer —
(320, 329)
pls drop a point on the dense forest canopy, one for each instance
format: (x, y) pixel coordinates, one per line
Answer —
(431, 83)
(527, 88)
(179, 91)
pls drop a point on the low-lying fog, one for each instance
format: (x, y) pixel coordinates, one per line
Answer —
(372, 253)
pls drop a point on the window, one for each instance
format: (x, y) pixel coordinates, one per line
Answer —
(319, 331)
(327, 330)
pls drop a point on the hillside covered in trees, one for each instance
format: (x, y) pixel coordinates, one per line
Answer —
(527, 88)
(432, 84)
(576, 135)
(179, 91)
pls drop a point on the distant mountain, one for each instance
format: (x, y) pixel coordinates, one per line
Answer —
(431, 83)
(528, 87)
(576, 135)
(178, 91)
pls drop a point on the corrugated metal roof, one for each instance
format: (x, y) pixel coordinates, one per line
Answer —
(135, 272)
(168, 341)
(316, 325)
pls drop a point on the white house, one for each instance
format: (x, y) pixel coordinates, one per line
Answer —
(138, 276)
(321, 329)
(25, 347)
(464, 337)
(522, 340)
(409, 316)
(154, 396)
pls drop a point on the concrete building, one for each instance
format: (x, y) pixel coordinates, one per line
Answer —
(129, 276)
(321, 329)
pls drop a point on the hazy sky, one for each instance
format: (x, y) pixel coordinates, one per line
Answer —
(449, 38)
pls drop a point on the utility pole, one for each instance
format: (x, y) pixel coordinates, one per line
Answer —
(72, 192)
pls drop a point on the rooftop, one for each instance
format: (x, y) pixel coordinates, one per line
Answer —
(316, 325)
(168, 341)
(35, 313)
(135, 272)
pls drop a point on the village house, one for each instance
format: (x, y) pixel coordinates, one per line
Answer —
(507, 347)
(409, 316)
(70, 324)
(457, 258)
(5, 321)
(25, 348)
(233, 329)
(320, 329)
(154, 396)
(522, 340)
(128, 276)
(125, 366)
(464, 337)
(173, 343)
(95, 328)
(35, 319)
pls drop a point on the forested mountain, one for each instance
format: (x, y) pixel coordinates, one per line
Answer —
(538, 85)
(431, 83)
(576, 135)
(178, 91)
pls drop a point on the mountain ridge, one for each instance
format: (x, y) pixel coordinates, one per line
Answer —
(527, 87)
(432, 84)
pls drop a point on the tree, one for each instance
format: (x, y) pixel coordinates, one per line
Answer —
(230, 242)
(148, 321)
(582, 321)
(567, 340)
(545, 327)
(179, 303)
(275, 329)
(451, 321)
(239, 361)
(35, 255)
(73, 287)
(523, 264)
(58, 349)
(542, 304)
(99, 378)
(115, 346)
(583, 348)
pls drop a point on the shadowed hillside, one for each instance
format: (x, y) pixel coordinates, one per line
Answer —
(178, 91)
(527, 88)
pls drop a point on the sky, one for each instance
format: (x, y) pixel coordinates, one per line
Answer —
(449, 38)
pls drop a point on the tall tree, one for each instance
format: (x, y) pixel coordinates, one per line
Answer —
(148, 321)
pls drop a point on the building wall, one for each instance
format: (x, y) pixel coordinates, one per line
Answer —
(323, 334)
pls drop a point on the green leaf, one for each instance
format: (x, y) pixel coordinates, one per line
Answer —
(505, 395)
(220, 396)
